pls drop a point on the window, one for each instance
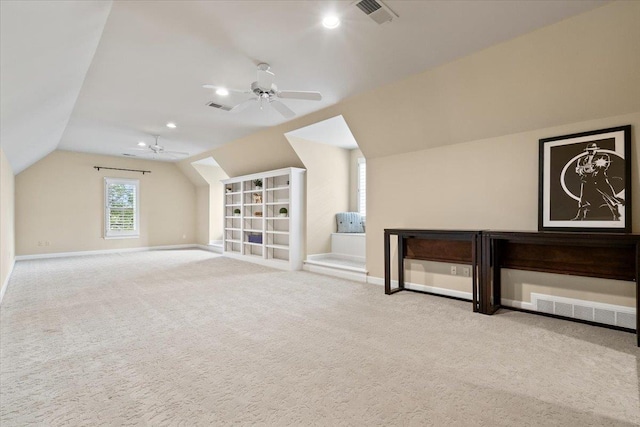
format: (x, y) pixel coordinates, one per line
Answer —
(121, 208)
(362, 186)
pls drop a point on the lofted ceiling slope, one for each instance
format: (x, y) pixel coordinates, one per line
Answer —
(153, 58)
(46, 48)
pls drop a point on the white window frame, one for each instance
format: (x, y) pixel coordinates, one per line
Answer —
(121, 234)
(362, 168)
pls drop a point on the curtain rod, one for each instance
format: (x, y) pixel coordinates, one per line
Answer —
(118, 169)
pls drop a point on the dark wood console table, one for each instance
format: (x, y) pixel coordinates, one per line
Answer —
(601, 255)
(454, 246)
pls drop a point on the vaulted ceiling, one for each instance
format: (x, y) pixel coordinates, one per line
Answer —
(99, 77)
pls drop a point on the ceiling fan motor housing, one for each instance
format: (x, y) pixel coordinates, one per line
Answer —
(261, 92)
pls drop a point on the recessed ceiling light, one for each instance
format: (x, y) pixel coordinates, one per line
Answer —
(222, 91)
(141, 144)
(331, 21)
(171, 125)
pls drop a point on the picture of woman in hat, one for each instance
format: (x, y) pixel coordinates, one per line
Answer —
(598, 200)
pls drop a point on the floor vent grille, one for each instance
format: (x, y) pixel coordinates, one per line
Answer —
(608, 314)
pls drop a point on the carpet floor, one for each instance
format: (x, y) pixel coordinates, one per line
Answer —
(191, 338)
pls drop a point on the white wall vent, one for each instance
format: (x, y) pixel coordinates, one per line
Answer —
(376, 10)
(608, 314)
(219, 106)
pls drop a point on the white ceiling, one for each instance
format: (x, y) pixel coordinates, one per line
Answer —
(333, 131)
(153, 57)
(46, 48)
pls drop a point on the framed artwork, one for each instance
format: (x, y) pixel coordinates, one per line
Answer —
(585, 182)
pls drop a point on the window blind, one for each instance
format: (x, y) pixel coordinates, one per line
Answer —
(121, 216)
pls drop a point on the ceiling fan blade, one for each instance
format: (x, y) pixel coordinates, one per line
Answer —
(282, 109)
(299, 94)
(175, 153)
(265, 79)
(243, 105)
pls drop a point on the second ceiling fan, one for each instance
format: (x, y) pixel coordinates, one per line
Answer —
(264, 92)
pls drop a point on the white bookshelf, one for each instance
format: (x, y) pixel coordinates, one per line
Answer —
(276, 240)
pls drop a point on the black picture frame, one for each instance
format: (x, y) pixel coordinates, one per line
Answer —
(585, 181)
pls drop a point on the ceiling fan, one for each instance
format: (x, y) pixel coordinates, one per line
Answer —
(159, 150)
(264, 92)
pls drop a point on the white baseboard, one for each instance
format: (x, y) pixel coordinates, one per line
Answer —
(330, 265)
(341, 273)
(5, 285)
(378, 281)
(104, 252)
(320, 257)
(517, 304)
(417, 287)
(211, 248)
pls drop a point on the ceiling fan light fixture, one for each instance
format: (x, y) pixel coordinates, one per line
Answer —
(171, 125)
(264, 92)
(222, 91)
(331, 22)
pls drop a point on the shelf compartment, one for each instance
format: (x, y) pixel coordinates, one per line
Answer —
(273, 237)
(283, 247)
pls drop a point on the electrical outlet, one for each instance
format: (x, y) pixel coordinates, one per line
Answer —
(40, 243)
(466, 271)
(454, 270)
(47, 243)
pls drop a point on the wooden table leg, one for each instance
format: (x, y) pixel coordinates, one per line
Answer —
(638, 293)
(387, 263)
(401, 244)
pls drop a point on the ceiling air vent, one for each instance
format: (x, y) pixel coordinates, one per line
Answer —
(376, 10)
(219, 106)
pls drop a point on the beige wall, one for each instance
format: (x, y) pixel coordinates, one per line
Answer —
(327, 189)
(485, 184)
(210, 197)
(216, 211)
(60, 200)
(203, 208)
(7, 229)
(250, 155)
(354, 155)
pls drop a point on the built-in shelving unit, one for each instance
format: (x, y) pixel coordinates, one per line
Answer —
(254, 228)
